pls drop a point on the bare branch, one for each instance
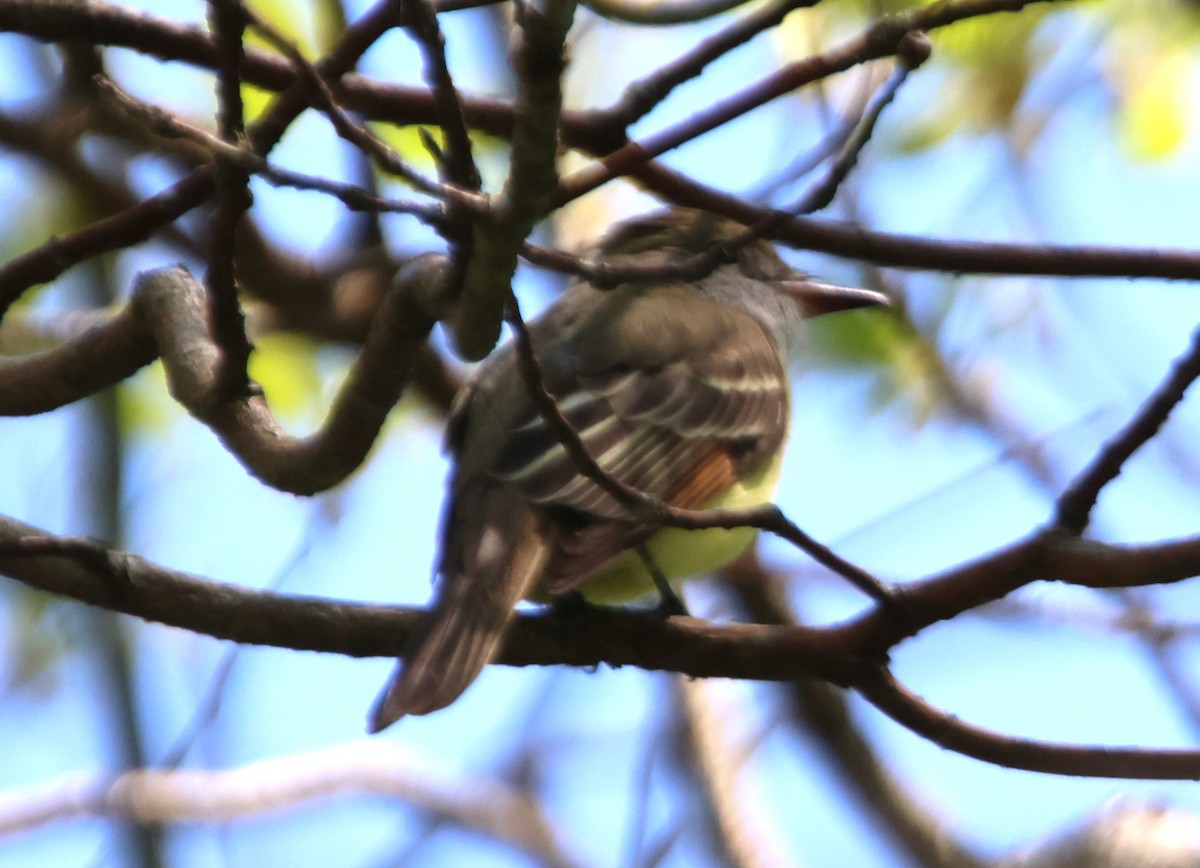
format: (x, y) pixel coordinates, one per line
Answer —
(232, 201)
(913, 50)
(60, 19)
(137, 223)
(169, 313)
(886, 36)
(642, 96)
(882, 690)
(849, 654)
(822, 711)
(487, 279)
(376, 767)
(662, 13)
(352, 196)
(459, 167)
(1075, 505)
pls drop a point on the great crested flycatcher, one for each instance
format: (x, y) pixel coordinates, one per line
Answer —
(679, 389)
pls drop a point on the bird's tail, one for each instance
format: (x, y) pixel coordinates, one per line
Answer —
(494, 549)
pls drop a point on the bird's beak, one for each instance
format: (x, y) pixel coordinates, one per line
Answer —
(816, 298)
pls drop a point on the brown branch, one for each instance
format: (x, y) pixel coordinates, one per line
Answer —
(314, 298)
(848, 654)
(1075, 506)
(929, 254)
(587, 637)
(44, 140)
(823, 712)
(98, 358)
(61, 19)
(169, 315)
(884, 37)
(882, 690)
(1047, 555)
(137, 223)
(641, 97)
(381, 768)
(232, 201)
(354, 197)
(383, 156)
(459, 165)
(913, 50)
(487, 278)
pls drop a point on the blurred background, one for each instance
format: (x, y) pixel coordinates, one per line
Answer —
(920, 440)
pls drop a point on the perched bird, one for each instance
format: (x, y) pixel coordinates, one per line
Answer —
(679, 389)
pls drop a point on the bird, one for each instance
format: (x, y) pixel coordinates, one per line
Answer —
(676, 387)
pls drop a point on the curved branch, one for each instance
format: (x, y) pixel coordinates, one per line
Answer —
(823, 712)
(661, 13)
(1075, 505)
(100, 357)
(882, 690)
(378, 767)
(849, 655)
(169, 315)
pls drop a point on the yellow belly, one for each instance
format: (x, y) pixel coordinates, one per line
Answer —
(680, 554)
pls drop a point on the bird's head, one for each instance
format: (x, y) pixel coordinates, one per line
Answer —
(754, 279)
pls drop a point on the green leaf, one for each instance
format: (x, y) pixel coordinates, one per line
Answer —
(285, 366)
(1153, 118)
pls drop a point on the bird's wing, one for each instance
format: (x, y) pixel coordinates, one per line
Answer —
(681, 416)
(683, 428)
(498, 550)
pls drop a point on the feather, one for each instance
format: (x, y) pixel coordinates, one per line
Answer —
(676, 389)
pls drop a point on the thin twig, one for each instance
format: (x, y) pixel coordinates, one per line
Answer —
(891, 31)
(662, 13)
(640, 97)
(137, 223)
(1074, 507)
(459, 166)
(384, 156)
(913, 50)
(354, 197)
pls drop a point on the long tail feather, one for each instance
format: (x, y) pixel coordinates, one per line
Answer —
(495, 550)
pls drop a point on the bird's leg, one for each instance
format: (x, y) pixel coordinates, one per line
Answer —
(669, 602)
